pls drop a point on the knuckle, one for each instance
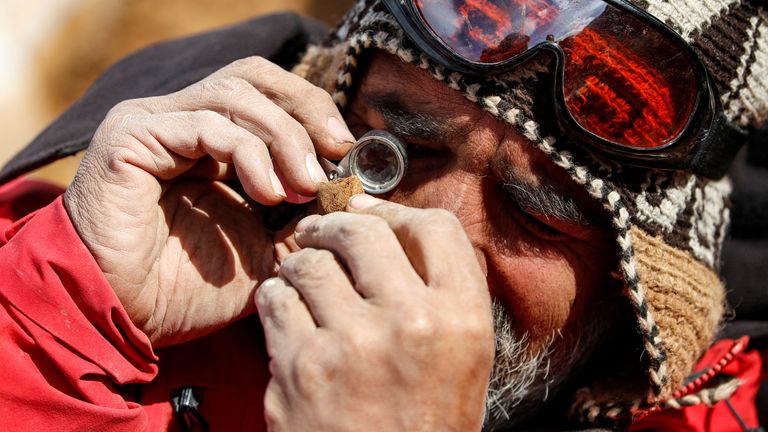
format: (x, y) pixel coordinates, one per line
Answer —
(308, 263)
(226, 85)
(121, 138)
(366, 230)
(137, 105)
(317, 257)
(281, 121)
(366, 223)
(292, 93)
(249, 63)
(364, 343)
(207, 118)
(319, 95)
(117, 156)
(345, 229)
(118, 139)
(123, 107)
(314, 366)
(418, 325)
(237, 84)
(276, 127)
(119, 118)
(114, 121)
(277, 298)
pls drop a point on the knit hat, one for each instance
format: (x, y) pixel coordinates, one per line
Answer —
(669, 225)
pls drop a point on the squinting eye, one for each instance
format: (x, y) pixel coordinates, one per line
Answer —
(534, 224)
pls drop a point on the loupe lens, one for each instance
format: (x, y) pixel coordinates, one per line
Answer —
(379, 160)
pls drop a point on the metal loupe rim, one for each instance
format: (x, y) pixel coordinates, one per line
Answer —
(394, 144)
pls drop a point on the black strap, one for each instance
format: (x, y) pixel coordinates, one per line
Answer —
(163, 69)
(719, 147)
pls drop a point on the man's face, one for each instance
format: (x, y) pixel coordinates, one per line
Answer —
(546, 246)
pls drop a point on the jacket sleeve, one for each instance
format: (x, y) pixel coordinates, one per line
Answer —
(69, 351)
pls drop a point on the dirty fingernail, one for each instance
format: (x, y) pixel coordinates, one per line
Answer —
(305, 223)
(277, 187)
(315, 170)
(363, 201)
(339, 132)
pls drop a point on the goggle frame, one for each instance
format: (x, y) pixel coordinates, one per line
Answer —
(693, 148)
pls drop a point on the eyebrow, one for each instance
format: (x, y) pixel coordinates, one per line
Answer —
(405, 119)
(544, 199)
(408, 120)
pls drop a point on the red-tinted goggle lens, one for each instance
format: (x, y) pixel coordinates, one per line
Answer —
(624, 81)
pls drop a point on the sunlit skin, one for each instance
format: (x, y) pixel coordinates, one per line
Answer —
(385, 307)
(546, 277)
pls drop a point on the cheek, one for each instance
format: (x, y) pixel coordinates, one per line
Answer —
(539, 293)
(451, 189)
(543, 286)
(548, 290)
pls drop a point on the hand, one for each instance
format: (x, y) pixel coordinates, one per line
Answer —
(183, 251)
(382, 322)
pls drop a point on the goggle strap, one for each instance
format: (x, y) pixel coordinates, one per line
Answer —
(719, 147)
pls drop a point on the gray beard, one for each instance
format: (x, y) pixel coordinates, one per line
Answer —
(521, 381)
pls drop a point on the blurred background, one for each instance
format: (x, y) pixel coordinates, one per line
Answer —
(51, 50)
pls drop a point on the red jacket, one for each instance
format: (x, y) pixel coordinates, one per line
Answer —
(72, 359)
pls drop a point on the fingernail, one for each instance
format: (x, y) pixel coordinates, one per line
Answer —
(297, 198)
(292, 196)
(363, 201)
(276, 185)
(339, 132)
(305, 223)
(315, 170)
(269, 282)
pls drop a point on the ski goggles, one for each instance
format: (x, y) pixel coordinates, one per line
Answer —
(626, 85)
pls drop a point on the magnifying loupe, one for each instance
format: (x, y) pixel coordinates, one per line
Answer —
(379, 159)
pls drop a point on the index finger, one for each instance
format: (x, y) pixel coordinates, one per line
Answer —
(375, 259)
(434, 240)
(312, 106)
